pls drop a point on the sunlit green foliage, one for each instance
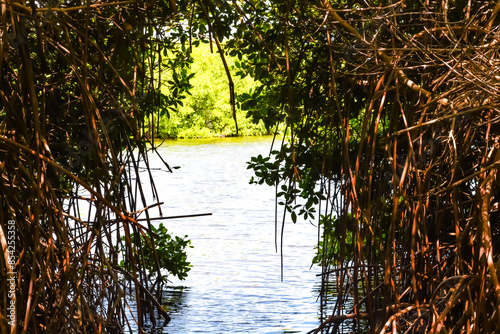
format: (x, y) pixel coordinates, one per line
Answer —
(169, 254)
(206, 111)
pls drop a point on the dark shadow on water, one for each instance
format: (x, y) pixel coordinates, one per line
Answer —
(174, 299)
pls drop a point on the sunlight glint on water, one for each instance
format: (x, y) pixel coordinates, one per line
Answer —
(234, 285)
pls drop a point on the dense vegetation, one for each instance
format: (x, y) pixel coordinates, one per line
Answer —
(391, 110)
(206, 110)
(78, 87)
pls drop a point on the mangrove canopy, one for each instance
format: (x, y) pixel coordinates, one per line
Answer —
(392, 126)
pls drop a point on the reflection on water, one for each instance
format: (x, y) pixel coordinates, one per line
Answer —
(174, 298)
(234, 285)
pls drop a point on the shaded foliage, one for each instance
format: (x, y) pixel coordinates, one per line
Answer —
(391, 110)
(78, 81)
(392, 117)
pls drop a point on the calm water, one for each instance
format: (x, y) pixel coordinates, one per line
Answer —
(234, 285)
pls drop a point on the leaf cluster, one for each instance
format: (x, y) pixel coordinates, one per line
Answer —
(165, 251)
(391, 111)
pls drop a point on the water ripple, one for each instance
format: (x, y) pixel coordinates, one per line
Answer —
(234, 285)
